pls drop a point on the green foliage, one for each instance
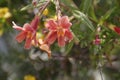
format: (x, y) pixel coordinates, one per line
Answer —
(83, 18)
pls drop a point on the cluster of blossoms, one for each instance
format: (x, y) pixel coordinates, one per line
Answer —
(58, 30)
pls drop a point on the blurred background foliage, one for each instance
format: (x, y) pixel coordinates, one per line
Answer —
(80, 59)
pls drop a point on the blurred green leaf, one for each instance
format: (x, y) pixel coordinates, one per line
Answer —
(76, 31)
(106, 16)
(27, 7)
(86, 6)
(51, 10)
(83, 18)
(92, 14)
(69, 47)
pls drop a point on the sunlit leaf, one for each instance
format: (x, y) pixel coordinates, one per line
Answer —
(27, 7)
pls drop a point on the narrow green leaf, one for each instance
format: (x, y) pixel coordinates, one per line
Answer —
(92, 14)
(83, 18)
(106, 16)
(86, 5)
(26, 7)
(69, 47)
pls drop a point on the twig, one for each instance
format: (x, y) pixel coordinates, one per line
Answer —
(100, 70)
(43, 8)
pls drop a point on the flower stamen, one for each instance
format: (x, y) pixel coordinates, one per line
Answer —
(60, 31)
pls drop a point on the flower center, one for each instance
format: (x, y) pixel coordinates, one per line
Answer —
(29, 34)
(60, 31)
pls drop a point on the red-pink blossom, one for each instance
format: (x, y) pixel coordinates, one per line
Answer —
(28, 32)
(59, 30)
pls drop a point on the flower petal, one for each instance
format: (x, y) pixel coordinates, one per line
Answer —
(46, 48)
(51, 25)
(17, 27)
(28, 43)
(35, 40)
(61, 41)
(51, 37)
(27, 27)
(117, 29)
(35, 22)
(64, 22)
(21, 36)
(68, 35)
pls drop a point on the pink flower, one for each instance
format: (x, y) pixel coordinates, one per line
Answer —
(59, 30)
(117, 29)
(97, 40)
(28, 32)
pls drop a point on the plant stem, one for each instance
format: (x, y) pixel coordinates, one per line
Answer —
(58, 11)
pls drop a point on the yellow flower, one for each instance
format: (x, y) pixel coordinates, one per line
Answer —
(45, 12)
(29, 77)
(4, 13)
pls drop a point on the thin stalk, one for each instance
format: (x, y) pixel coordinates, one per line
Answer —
(58, 11)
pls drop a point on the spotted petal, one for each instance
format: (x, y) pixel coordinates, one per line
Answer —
(51, 25)
(35, 22)
(51, 37)
(64, 22)
(28, 43)
(69, 35)
(21, 36)
(28, 27)
(61, 41)
(35, 40)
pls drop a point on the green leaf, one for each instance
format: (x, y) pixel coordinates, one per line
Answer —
(76, 32)
(86, 5)
(84, 19)
(92, 14)
(69, 47)
(106, 16)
